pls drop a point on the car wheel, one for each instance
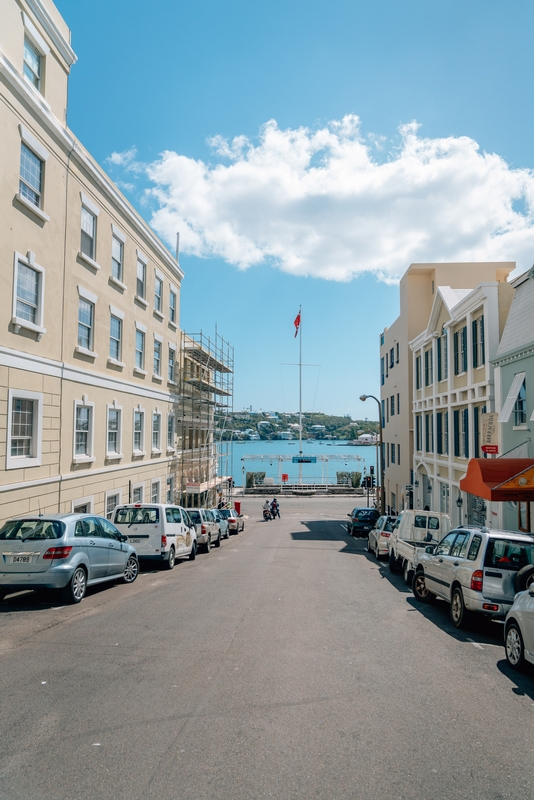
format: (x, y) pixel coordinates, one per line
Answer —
(207, 546)
(74, 591)
(458, 611)
(513, 645)
(170, 562)
(524, 578)
(193, 553)
(131, 571)
(419, 588)
(407, 574)
(393, 565)
(218, 540)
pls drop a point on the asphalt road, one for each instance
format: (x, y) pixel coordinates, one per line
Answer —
(287, 664)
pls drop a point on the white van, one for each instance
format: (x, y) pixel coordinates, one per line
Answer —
(159, 532)
(413, 531)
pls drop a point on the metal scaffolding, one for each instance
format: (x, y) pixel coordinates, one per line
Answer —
(203, 408)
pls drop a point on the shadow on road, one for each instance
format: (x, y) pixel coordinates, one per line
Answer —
(524, 684)
(328, 531)
(480, 629)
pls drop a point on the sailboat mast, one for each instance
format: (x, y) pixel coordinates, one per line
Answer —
(300, 381)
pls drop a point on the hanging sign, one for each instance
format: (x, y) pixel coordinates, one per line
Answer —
(304, 459)
(490, 432)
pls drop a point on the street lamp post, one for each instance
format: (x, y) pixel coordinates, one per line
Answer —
(382, 494)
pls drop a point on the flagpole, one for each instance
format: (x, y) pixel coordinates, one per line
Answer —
(300, 392)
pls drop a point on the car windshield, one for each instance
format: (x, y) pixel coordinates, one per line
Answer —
(509, 554)
(139, 516)
(364, 514)
(23, 529)
(196, 519)
(225, 512)
(389, 525)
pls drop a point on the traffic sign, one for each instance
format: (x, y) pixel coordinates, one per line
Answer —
(304, 460)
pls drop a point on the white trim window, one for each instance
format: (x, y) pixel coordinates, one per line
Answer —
(28, 294)
(157, 357)
(31, 176)
(170, 432)
(141, 279)
(83, 431)
(171, 363)
(139, 349)
(113, 499)
(139, 431)
(88, 234)
(86, 322)
(33, 64)
(114, 431)
(115, 337)
(155, 491)
(117, 258)
(138, 490)
(156, 432)
(158, 293)
(172, 306)
(24, 427)
(170, 488)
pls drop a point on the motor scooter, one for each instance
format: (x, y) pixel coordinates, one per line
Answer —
(266, 515)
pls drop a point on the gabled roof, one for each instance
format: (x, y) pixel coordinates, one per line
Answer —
(519, 327)
(448, 297)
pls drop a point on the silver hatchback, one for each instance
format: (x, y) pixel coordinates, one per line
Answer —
(63, 551)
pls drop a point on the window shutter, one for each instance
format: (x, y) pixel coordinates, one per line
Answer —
(440, 376)
(466, 432)
(456, 432)
(439, 432)
(482, 344)
(464, 348)
(474, 342)
(456, 353)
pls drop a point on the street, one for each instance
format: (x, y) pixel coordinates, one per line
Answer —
(289, 663)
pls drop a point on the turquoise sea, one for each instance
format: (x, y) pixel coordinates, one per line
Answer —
(237, 465)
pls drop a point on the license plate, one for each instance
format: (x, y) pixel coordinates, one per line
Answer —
(21, 559)
(135, 541)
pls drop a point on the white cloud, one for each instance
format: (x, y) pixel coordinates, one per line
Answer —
(318, 202)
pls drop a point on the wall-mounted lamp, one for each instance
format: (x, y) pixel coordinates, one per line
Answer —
(459, 501)
(416, 483)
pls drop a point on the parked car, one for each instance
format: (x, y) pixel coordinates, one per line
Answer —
(207, 528)
(160, 532)
(413, 531)
(63, 551)
(519, 628)
(475, 570)
(223, 523)
(236, 522)
(378, 539)
(362, 520)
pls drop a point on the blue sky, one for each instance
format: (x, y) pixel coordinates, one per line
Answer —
(326, 206)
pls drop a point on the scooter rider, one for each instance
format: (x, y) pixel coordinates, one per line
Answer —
(275, 509)
(266, 510)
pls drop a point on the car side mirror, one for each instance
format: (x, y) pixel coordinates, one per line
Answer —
(429, 549)
(123, 538)
(349, 515)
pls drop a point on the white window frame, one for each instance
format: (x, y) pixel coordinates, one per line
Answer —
(114, 455)
(34, 37)
(173, 351)
(141, 329)
(141, 259)
(159, 339)
(156, 450)
(140, 485)
(94, 210)
(118, 314)
(86, 458)
(173, 291)
(112, 493)
(18, 322)
(156, 482)
(118, 234)
(89, 297)
(169, 490)
(84, 501)
(42, 153)
(21, 462)
(158, 278)
(139, 410)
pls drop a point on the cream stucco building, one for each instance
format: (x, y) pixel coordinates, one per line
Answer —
(418, 291)
(90, 338)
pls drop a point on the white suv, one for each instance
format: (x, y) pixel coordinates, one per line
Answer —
(207, 528)
(475, 570)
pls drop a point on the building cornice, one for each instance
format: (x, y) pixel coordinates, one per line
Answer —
(523, 351)
(52, 31)
(74, 148)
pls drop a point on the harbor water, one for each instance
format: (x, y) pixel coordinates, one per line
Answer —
(235, 464)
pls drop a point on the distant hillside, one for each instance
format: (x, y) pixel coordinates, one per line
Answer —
(276, 425)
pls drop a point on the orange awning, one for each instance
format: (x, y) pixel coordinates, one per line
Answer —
(500, 479)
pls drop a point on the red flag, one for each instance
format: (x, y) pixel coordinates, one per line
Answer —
(297, 324)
